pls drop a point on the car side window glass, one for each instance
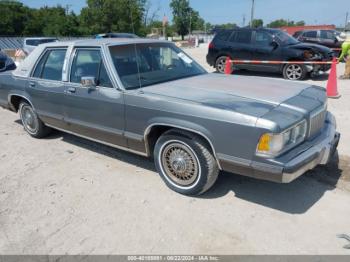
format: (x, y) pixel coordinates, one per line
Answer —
(263, 39)
(88, 63)
(39, 67)
(51, 64)
(327, 35)
(104, 78)
(311, 34)
(223, 36)
(243, 37)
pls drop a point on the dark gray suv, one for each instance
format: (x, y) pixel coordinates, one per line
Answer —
(265, 45)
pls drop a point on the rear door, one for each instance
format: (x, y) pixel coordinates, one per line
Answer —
(327, 38)
(46, 88)
(241, 46)
(265, 50)
(311, 37)
(96, 113)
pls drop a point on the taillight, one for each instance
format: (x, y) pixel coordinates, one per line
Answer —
(211, 45)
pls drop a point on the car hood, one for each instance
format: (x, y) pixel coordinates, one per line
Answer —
(248, 95)
(308, 46)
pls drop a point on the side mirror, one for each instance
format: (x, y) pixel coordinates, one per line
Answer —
(88, 82)
(274, 44)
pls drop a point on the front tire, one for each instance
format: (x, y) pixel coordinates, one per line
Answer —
(294, 72)
(185, 163)
(31, 122)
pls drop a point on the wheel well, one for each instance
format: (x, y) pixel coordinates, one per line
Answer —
(16, 100)
(156, 131)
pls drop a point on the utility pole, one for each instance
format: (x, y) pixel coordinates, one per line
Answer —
(243, 21)
(252, 13)
(346, 20)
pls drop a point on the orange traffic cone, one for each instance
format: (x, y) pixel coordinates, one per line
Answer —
(332, 85)
(228, 66)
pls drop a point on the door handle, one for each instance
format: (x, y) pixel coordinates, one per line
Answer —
(71, 90)
(32, 84)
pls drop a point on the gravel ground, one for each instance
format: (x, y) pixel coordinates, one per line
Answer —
(66, 195)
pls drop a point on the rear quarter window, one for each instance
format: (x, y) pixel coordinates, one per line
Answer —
(223, 35)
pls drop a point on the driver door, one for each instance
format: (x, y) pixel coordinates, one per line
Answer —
(266, 50)
(96, 112)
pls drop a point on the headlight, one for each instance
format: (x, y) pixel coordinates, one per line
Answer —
(271, 145)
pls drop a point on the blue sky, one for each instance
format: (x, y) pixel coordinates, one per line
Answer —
(223, 11)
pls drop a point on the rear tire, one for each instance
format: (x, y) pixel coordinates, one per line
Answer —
(185, 163)
(220, 64)
(294, 72)
(31, 122)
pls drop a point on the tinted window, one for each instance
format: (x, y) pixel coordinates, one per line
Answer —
(89, 63)
(223, 35)
(311, 34)
(243, 37)
(51, 64)
(327, 35)
(263, 39)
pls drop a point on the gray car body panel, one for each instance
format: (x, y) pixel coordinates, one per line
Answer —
(230, 112)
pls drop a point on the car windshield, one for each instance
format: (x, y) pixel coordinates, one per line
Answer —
(285, 38)
(141, 65)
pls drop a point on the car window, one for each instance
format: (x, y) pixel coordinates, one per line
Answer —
(223, 35)
(243, 37)
(50, 65)
(311, 34)
(327, 35)
(142, 65)
(89, 63)
(263, 39)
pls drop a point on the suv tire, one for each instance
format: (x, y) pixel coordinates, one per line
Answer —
(294, 72)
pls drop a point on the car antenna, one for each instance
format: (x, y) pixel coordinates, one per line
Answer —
(137, 62)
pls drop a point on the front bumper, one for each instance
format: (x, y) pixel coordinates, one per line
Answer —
(297, 162)
(319, 154)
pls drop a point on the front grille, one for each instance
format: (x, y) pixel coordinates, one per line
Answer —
(317, 121)
(2, 65)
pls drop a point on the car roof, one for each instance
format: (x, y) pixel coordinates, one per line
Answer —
(103, 41)
(272, 30)
(39, 38)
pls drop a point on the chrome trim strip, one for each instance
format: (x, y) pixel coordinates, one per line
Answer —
(148, 129)
(234, 160)
(99, 141)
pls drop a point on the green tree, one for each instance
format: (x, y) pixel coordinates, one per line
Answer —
(182, 16)
(101, 16)
(282, 22)
(13, 19)
(256, 23)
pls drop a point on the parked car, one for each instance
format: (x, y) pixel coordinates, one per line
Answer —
(6, 63)
(150, 98)
(116, 35)
(329, 38)
(264, 45)
(29, 44)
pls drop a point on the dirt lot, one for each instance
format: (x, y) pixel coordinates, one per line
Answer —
(66, 195)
